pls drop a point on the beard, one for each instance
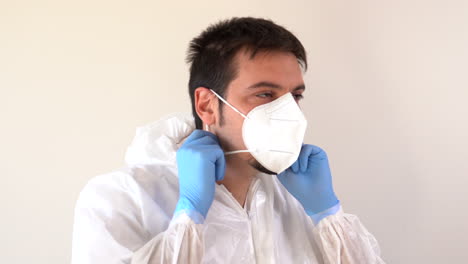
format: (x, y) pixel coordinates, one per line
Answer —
(256, 165)
(252, 162)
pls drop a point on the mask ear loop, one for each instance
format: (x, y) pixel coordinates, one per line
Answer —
(239, 112)
(226, 102)
(238, 151)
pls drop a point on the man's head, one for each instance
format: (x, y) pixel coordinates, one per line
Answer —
(249, 62)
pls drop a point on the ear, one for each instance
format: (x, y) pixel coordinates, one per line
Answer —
(205, 105)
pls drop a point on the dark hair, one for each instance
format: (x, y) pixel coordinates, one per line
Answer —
(211, 54)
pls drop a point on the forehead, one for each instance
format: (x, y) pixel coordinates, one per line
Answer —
(278, 67)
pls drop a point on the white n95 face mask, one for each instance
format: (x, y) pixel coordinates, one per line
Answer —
(273, 132)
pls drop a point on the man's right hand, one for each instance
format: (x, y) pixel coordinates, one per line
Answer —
(200, 161)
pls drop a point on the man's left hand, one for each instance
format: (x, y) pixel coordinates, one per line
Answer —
(309, 180)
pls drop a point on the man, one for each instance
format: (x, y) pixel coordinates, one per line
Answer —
(232, 184)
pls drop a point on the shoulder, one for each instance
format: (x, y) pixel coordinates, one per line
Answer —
(126, 188)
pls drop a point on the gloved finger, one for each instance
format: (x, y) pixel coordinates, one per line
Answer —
(317, 153)
(205, 140)
(196, 134)
(220, 165)
(295, 166)
(317, 156)
(316, 150)
(306, 151)
(215, 155)
(211, 135)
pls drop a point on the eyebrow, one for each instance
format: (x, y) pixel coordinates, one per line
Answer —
(273, 85)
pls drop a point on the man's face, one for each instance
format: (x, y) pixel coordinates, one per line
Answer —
(260, 80)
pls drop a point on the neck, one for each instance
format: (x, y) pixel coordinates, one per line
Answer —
(238, 176)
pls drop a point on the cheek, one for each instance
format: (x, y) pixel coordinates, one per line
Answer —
(232, 130)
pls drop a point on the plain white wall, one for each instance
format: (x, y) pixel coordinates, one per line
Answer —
(386, 97)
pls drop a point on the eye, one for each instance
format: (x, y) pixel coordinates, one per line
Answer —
(264, 95)
(298, 96)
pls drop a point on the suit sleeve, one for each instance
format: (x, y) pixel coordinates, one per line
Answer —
(108, 228)
(342, 238)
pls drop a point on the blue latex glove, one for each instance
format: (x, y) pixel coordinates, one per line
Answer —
(200, 161)
(309, 181)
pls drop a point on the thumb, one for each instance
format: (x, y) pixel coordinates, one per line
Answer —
(220, 165)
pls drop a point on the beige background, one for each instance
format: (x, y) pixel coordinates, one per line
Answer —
(386, 96)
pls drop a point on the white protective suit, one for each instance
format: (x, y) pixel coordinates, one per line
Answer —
(126, 216)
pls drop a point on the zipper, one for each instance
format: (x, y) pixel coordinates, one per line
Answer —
(228, 194)
(245, 210)
(250, 194)
(248, 199)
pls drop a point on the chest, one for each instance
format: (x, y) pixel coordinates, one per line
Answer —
(260, 232)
